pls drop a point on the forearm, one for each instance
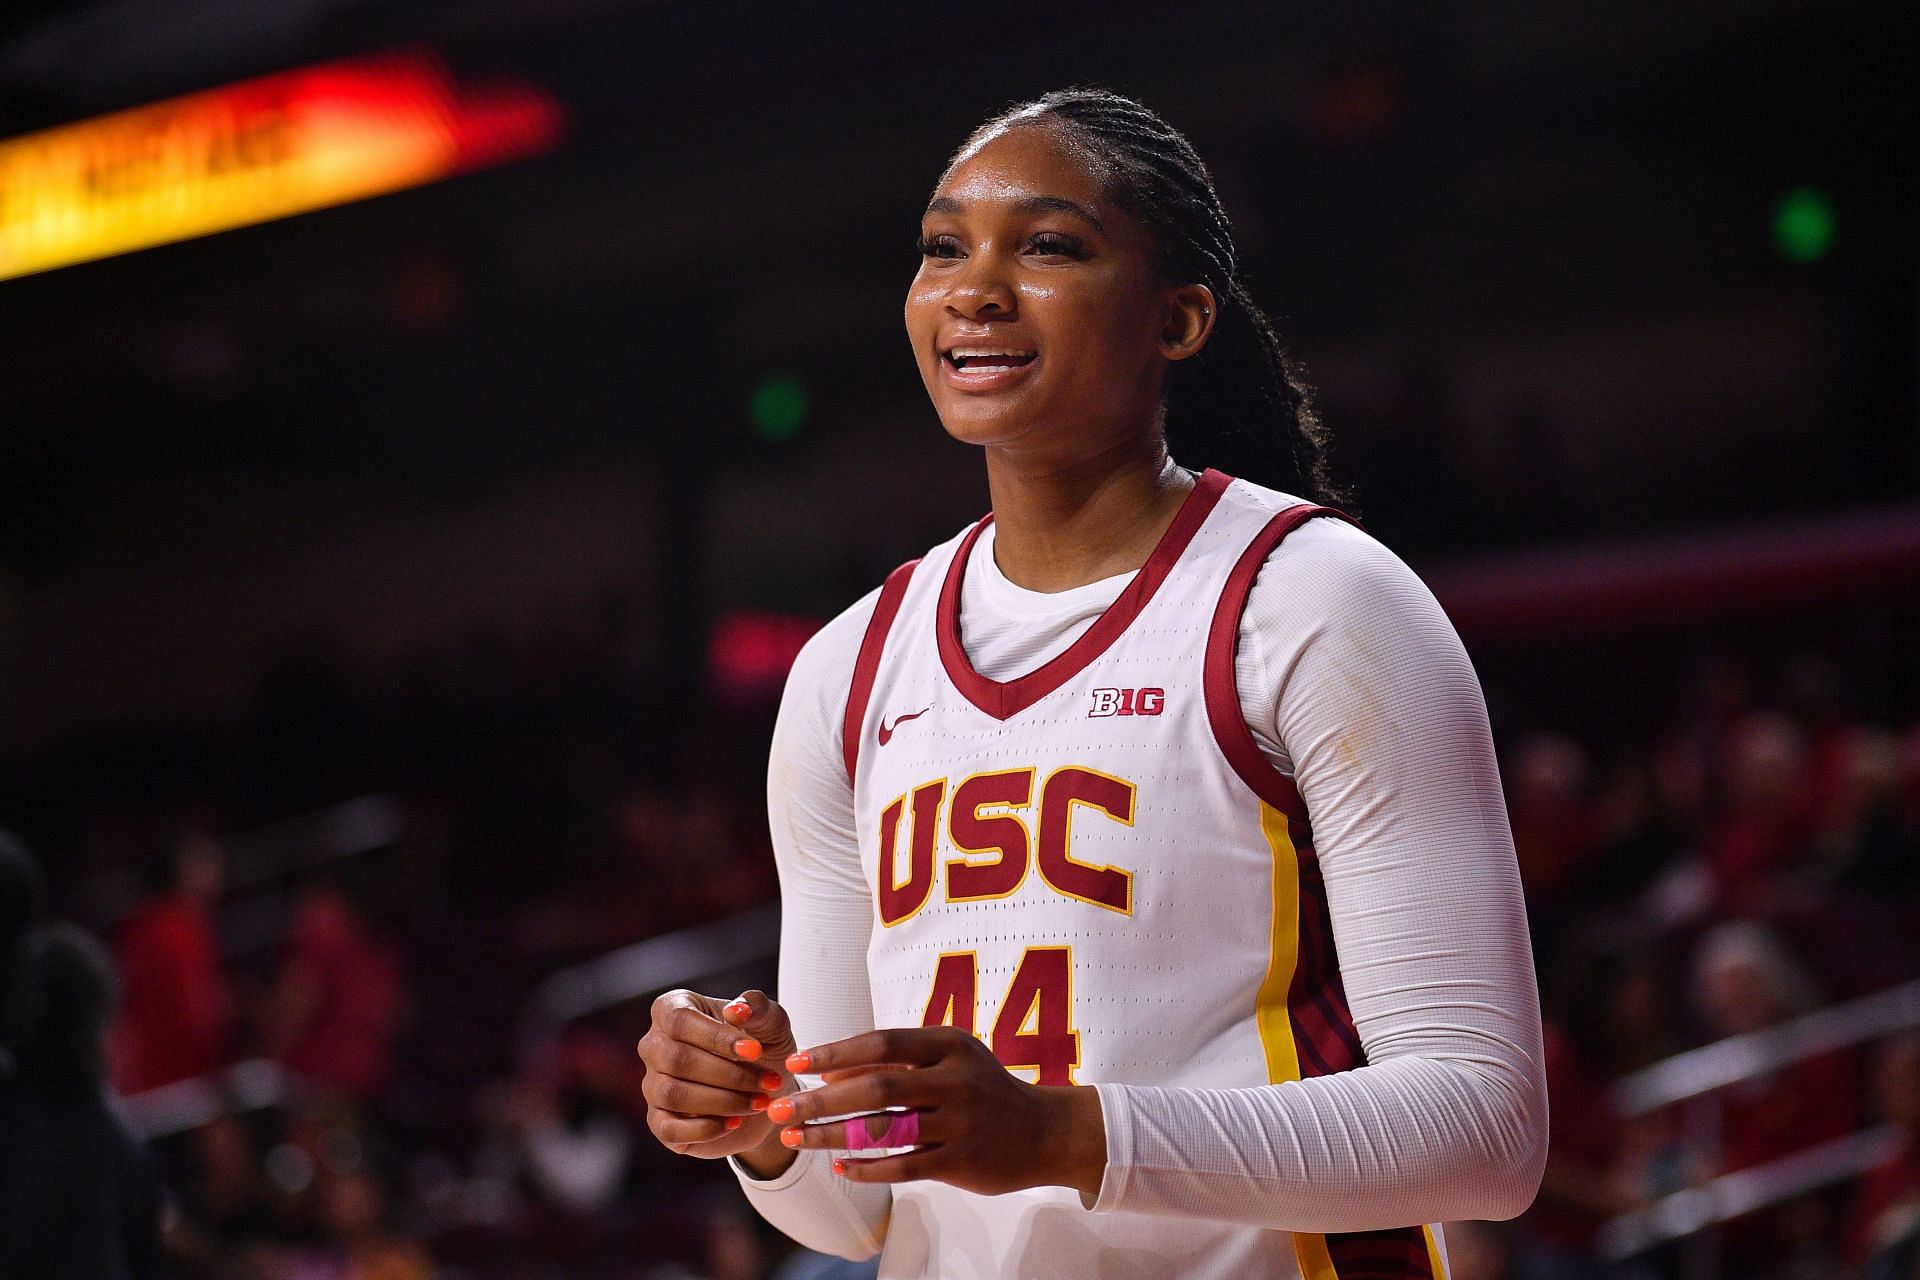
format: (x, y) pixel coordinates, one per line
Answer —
(1409, 1141)
(825, 921)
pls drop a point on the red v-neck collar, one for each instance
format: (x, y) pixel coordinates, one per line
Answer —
(1004, 699)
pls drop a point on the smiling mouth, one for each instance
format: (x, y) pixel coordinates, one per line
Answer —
(983, 361)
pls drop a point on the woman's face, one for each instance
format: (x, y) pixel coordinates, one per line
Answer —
(1023, 255)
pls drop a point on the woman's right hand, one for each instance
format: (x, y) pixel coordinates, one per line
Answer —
(712, 1067)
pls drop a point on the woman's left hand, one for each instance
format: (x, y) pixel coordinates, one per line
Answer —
(980, 1128)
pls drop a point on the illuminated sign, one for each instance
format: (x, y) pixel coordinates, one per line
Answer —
(252, 152)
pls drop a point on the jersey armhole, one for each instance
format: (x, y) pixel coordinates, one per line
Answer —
(867, 666)
(1221, 688)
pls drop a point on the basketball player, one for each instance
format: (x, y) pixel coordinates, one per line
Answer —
(1146, 875)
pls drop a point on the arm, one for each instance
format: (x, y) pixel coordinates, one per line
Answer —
(1352, 675)
(825, 919)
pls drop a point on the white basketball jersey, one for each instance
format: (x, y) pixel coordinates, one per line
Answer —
(1095, 870)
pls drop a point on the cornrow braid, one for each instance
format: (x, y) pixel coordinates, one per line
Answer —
(1225, 401)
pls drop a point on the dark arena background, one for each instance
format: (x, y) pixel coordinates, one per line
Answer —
(427, 436)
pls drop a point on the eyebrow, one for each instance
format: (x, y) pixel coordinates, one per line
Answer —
(1031, 204)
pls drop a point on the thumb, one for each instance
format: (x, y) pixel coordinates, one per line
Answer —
(756, 1014)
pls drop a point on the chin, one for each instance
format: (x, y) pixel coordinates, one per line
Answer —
(985, 429)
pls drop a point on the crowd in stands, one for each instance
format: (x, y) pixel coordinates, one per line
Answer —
(1715, 874)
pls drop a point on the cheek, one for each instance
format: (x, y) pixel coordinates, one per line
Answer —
(1106, 334)
(920, 312)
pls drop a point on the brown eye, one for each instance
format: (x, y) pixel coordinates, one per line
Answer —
(936, 246)
(1054, 244)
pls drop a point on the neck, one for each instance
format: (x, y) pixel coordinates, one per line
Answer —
(1060, 525)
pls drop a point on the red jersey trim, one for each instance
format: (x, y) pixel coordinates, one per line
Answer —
(1002, 700)
(867, 666)
(1222, 691)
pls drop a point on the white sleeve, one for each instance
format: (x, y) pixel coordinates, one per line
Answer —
(1354, 680)
(825, 919)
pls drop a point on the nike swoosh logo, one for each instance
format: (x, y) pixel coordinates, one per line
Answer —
(886, 730)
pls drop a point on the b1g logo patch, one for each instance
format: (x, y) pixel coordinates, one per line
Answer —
(1127, 702)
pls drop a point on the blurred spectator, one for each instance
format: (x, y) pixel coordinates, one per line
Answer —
(78, 1196)
(1772, 811)
(1875, 844)
(1555, 825)
(226, 1205)
(336, 1006)
(1607, 1015)
(574, 1126)
(177, 1012)
(1886, 1205)
(360, 1244)
(1746, 980)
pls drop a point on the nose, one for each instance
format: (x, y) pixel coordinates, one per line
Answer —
(980, 287)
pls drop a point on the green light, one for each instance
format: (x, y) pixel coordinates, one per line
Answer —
(1803, 225)
(779, 408)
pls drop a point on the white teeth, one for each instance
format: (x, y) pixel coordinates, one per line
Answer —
(974, 353)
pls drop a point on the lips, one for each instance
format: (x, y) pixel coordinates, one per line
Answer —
(985, 366)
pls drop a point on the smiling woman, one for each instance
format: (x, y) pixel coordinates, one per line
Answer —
(1146, 875)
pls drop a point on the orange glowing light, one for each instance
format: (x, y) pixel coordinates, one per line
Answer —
(252, 152)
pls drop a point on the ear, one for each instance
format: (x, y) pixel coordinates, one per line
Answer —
(1190, 316)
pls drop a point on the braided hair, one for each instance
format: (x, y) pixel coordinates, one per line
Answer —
(1224, 401)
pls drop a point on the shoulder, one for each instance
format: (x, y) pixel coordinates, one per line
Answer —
(1335, 621)
(825, 661)
(1331, 573)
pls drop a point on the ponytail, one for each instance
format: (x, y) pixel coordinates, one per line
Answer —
(1243, 404)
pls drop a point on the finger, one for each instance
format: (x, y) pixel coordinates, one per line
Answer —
(691, 1026)
(898, 1046)
(688, 1098)
(755, 1013)
(874, 1092)
(910, 1167)
(685, 1131)
(854, 1073)
(683, 1061)
(869, 1133)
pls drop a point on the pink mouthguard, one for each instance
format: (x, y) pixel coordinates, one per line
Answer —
(903, 1130)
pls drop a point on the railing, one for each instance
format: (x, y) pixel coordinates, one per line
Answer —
(670, 960)
(1698, 1073)
(188, 1104)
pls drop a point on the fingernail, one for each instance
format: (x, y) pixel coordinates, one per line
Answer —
(798, 1062)
(734, 1122)
(790, 1137)
(770, 1080)
(781, 1110)
(748, 1049)
(760, 1102)
(739, 1010)
(840, 1167)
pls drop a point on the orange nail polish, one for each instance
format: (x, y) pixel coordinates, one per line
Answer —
(734, 1122)
(769, 1080)
(781, 1110)
(791, 1137)
(840, 1167)
(748, 1049)
(798, 1062)
(739, 1011)
(760, 1102)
